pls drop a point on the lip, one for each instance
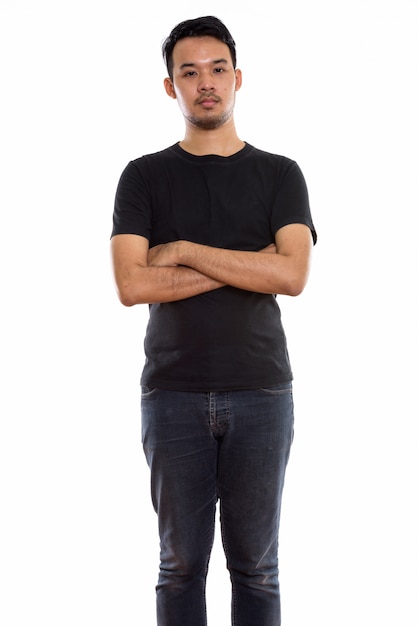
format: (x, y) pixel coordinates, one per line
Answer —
(208, 102)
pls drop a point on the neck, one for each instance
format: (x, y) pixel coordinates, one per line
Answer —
(222, 141)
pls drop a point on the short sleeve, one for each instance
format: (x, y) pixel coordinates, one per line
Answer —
(132, 209)
(291, 202)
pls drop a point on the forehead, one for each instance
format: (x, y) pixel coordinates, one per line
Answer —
(200, 50)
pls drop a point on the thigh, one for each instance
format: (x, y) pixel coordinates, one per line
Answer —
(182, 456)
(252, 464)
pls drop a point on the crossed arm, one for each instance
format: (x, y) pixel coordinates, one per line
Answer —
(182, 269)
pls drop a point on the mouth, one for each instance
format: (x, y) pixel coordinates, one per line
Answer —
(207, 102)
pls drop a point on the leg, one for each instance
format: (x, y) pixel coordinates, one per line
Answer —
(182, 456)
(253, 458)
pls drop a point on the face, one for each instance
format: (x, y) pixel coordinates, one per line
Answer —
(204, 81)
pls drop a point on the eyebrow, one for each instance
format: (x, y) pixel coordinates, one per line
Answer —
(215, 62)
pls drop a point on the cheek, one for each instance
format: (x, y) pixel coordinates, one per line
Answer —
(183, 97)
(182, 102)
(229, 95)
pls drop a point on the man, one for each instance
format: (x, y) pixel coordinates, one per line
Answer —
(207, 232)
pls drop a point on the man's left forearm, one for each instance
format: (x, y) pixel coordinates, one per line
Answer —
(252, 271)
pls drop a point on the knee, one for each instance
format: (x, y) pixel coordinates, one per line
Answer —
(178, 567)
(261, 579)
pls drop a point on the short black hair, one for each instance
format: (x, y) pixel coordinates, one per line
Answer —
(208, 26)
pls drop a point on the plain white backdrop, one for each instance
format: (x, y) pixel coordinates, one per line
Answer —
(331, 84)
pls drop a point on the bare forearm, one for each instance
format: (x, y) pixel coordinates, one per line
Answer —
(262, 272)
(183, 269)
(163, 284)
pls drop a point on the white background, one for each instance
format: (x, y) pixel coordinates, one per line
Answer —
(331, 84)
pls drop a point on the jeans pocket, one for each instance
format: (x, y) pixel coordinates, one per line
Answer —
(146, 392)
(277, 390)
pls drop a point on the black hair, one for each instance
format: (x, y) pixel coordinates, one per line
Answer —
(208, 26)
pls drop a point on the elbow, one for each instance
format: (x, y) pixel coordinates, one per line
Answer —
(131, 293)
(293, 292)
(128, 302)
(295, 289)
(126, 296)
(295, 286)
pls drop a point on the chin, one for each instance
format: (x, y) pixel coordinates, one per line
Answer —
(209, 123)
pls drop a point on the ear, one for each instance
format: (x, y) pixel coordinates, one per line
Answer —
(238, 80)
(169, 87)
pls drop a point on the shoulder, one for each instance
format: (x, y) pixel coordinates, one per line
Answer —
(153, 157)
(278, 160)
(277, 165)
(147, 165)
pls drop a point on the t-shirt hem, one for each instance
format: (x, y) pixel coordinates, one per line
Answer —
(210, 387)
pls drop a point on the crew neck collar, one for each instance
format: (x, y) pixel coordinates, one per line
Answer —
(211, 157)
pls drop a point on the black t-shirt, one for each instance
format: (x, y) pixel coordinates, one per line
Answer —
(227, 338)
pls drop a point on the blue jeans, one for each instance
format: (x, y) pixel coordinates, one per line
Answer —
(201, 447)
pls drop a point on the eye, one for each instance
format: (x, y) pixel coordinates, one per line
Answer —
(190, 73)
(219, 70)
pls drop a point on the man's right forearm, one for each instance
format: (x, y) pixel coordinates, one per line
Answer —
(150, 285)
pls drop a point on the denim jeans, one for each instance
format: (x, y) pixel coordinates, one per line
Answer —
(201, 447)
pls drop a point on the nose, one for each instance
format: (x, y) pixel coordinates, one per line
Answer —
(206, 83)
